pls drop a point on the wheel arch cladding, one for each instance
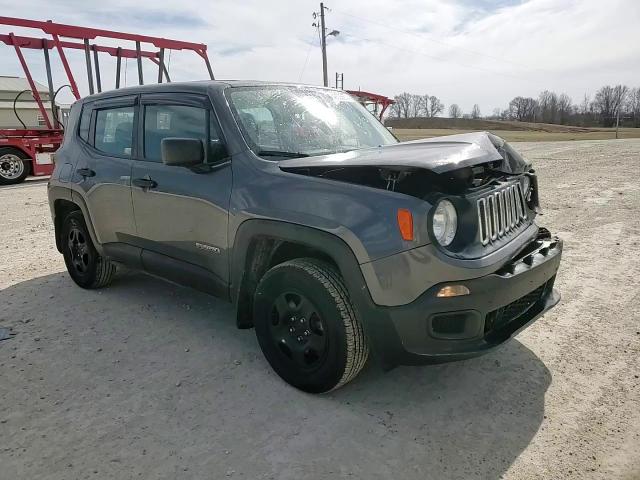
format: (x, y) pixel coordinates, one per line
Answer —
(262, 253)
(62, 208)
(261, 244)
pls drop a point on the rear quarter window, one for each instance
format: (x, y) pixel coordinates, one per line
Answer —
(114, 131)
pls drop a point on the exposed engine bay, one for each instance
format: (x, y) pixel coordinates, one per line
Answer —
(449, 165)
(410, 180)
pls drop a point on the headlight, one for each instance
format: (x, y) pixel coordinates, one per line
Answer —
(445, 222)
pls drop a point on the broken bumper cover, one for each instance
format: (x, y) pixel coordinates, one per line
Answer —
(433, 329)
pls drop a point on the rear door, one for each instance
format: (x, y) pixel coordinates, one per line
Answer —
(106, 134)
(182, 213)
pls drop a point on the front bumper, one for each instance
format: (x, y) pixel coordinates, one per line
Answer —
(501, 304)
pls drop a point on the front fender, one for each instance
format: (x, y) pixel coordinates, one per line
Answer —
(382, 337)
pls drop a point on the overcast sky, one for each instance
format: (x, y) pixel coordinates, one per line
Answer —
(463, 51)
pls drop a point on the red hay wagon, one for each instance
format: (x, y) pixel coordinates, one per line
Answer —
(30, 150)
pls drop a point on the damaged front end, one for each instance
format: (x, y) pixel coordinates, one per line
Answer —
(448, 165)
(492, 188)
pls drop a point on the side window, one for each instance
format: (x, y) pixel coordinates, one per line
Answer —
(164, 121)
(261, 127)
(85, 120)
(114, 131)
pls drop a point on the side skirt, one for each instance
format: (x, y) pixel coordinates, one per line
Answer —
(163, 266)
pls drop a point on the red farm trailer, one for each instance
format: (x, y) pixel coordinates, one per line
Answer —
(377, 104)
(29, 150)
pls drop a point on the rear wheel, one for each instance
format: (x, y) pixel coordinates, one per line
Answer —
(13, 167)
(85, 266)
(307, 327)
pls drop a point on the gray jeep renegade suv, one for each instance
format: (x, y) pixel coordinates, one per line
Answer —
(293, 202)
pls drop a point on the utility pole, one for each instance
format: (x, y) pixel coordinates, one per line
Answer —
(617, 121)
(323, 44)
(323, 41)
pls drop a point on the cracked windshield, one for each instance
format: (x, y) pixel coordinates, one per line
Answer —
(299, 122)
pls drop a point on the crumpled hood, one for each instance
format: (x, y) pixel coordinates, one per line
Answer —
(439, 154)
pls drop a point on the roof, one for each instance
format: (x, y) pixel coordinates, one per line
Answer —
(17, 84)
(193, 86)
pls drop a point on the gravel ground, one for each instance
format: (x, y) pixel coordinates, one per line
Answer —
(149, 380)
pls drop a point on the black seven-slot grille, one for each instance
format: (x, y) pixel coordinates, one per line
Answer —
(501, 212)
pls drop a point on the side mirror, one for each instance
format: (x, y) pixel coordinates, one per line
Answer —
(182, 152)
(217, 151)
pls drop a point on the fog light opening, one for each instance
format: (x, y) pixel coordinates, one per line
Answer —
(453, 291)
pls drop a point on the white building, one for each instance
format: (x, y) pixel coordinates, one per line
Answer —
(26, 106)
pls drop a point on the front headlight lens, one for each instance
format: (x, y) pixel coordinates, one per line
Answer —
(445, 222)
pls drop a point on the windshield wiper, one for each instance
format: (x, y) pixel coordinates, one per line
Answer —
(280, 153)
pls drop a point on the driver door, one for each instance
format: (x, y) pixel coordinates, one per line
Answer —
(181, 213)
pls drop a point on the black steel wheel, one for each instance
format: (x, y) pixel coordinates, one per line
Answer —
(296, 326)
(81, 255)
(306, 326)
(85, 266)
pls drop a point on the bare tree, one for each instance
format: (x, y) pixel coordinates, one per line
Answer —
(495, 114)
(522, 109)
(548, 103)
(475, 111)
(418, 105)
(633, 105)
(454, 111)
(585, 105)
(402, 105)
(608, 101)
(584, 110)
(425, 104)
(564, 108)
(435, 106)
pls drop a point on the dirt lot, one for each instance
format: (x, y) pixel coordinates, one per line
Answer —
(149, 380)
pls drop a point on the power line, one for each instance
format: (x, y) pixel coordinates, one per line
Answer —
(306, 60)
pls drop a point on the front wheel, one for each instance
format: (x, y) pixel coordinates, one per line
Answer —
(13, 168)
(307, 327)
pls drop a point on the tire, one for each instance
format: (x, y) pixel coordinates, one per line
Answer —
(14, 168)
(307, 327)
(85, 266)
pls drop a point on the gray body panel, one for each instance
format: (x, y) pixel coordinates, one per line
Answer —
(365, 218)
(186, 213)
(108, 197)
(400, 279)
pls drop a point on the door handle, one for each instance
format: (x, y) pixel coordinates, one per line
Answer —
(145, 182)
(86, 172)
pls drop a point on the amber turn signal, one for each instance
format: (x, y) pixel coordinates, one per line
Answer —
(453, 291)
(405, 223)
